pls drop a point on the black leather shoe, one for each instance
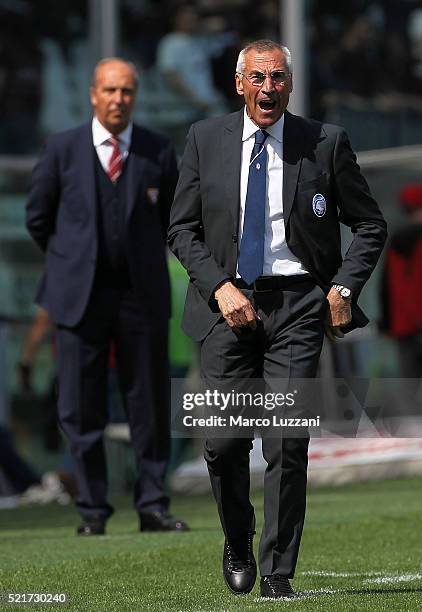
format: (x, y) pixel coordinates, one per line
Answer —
(276, 587)
(239, 566)
(160, 521)
(91, 528)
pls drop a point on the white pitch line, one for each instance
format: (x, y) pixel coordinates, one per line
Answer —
(394, 579)
(300, 595)
(341, 574)
(378, 577)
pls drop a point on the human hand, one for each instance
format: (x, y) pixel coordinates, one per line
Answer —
(235, 307)
(339, 314)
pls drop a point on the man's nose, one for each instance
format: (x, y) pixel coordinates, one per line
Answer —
(118, 96)
(268, 84)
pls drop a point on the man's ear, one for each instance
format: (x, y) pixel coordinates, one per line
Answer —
(93, 96)
(239, 84)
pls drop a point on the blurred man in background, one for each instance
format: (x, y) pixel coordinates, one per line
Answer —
(98, 206)
(184, 62)
(20, 484)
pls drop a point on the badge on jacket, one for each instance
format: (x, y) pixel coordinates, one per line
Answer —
(319, 205)
(153, 195)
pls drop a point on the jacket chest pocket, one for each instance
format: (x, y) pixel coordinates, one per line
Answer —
(319, 183)
(313, 200)
(148, 189)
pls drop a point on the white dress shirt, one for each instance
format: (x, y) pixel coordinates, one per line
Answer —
(100, 138)
(278, 258)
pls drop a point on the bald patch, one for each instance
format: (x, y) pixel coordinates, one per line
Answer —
(114, 63)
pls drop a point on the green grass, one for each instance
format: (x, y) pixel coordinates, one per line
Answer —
(358, 533)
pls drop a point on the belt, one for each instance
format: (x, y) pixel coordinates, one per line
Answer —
(273, 283)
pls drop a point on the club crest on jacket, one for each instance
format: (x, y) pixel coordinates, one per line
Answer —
(319, 205)
(153, 194)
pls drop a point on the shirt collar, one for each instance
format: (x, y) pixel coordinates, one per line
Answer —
(100, 134)
(275, 130)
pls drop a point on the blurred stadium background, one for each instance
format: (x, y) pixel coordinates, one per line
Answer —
(358, 64)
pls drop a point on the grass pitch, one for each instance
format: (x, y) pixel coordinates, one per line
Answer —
(361, 550)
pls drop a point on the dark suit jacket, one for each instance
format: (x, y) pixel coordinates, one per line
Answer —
(317, 159)
(62, 219)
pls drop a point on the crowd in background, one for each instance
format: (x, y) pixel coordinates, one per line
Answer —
(364, 60)
(366, 53)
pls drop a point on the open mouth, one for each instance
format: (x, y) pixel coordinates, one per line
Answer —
(266, 105)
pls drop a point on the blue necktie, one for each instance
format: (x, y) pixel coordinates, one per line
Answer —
(251, 254)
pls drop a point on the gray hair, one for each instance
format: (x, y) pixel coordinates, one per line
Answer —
(107, 60)
(263, 45)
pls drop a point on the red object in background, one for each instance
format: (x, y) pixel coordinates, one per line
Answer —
(410, 197)
(404, 278)
(112, 357)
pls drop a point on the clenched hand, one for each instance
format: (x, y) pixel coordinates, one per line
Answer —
(235, 307)
(338, 314)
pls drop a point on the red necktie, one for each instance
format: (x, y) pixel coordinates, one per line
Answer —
(115, 164)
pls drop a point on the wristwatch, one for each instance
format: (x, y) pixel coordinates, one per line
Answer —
(343, 291)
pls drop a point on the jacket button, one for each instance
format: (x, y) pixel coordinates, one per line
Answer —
(234, 238)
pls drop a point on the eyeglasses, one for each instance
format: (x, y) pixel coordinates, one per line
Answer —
(278, 77)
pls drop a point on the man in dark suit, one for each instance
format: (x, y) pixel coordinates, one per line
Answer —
(98, 206)
(255, 221)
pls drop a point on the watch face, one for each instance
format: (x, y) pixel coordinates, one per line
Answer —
(345, 292)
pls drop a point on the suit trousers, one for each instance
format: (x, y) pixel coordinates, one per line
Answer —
(286, 345)
(115, 315)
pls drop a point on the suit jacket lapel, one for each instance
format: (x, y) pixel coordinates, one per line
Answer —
(85, 162)
(232, 155)
(293, 142)
(136, 168)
